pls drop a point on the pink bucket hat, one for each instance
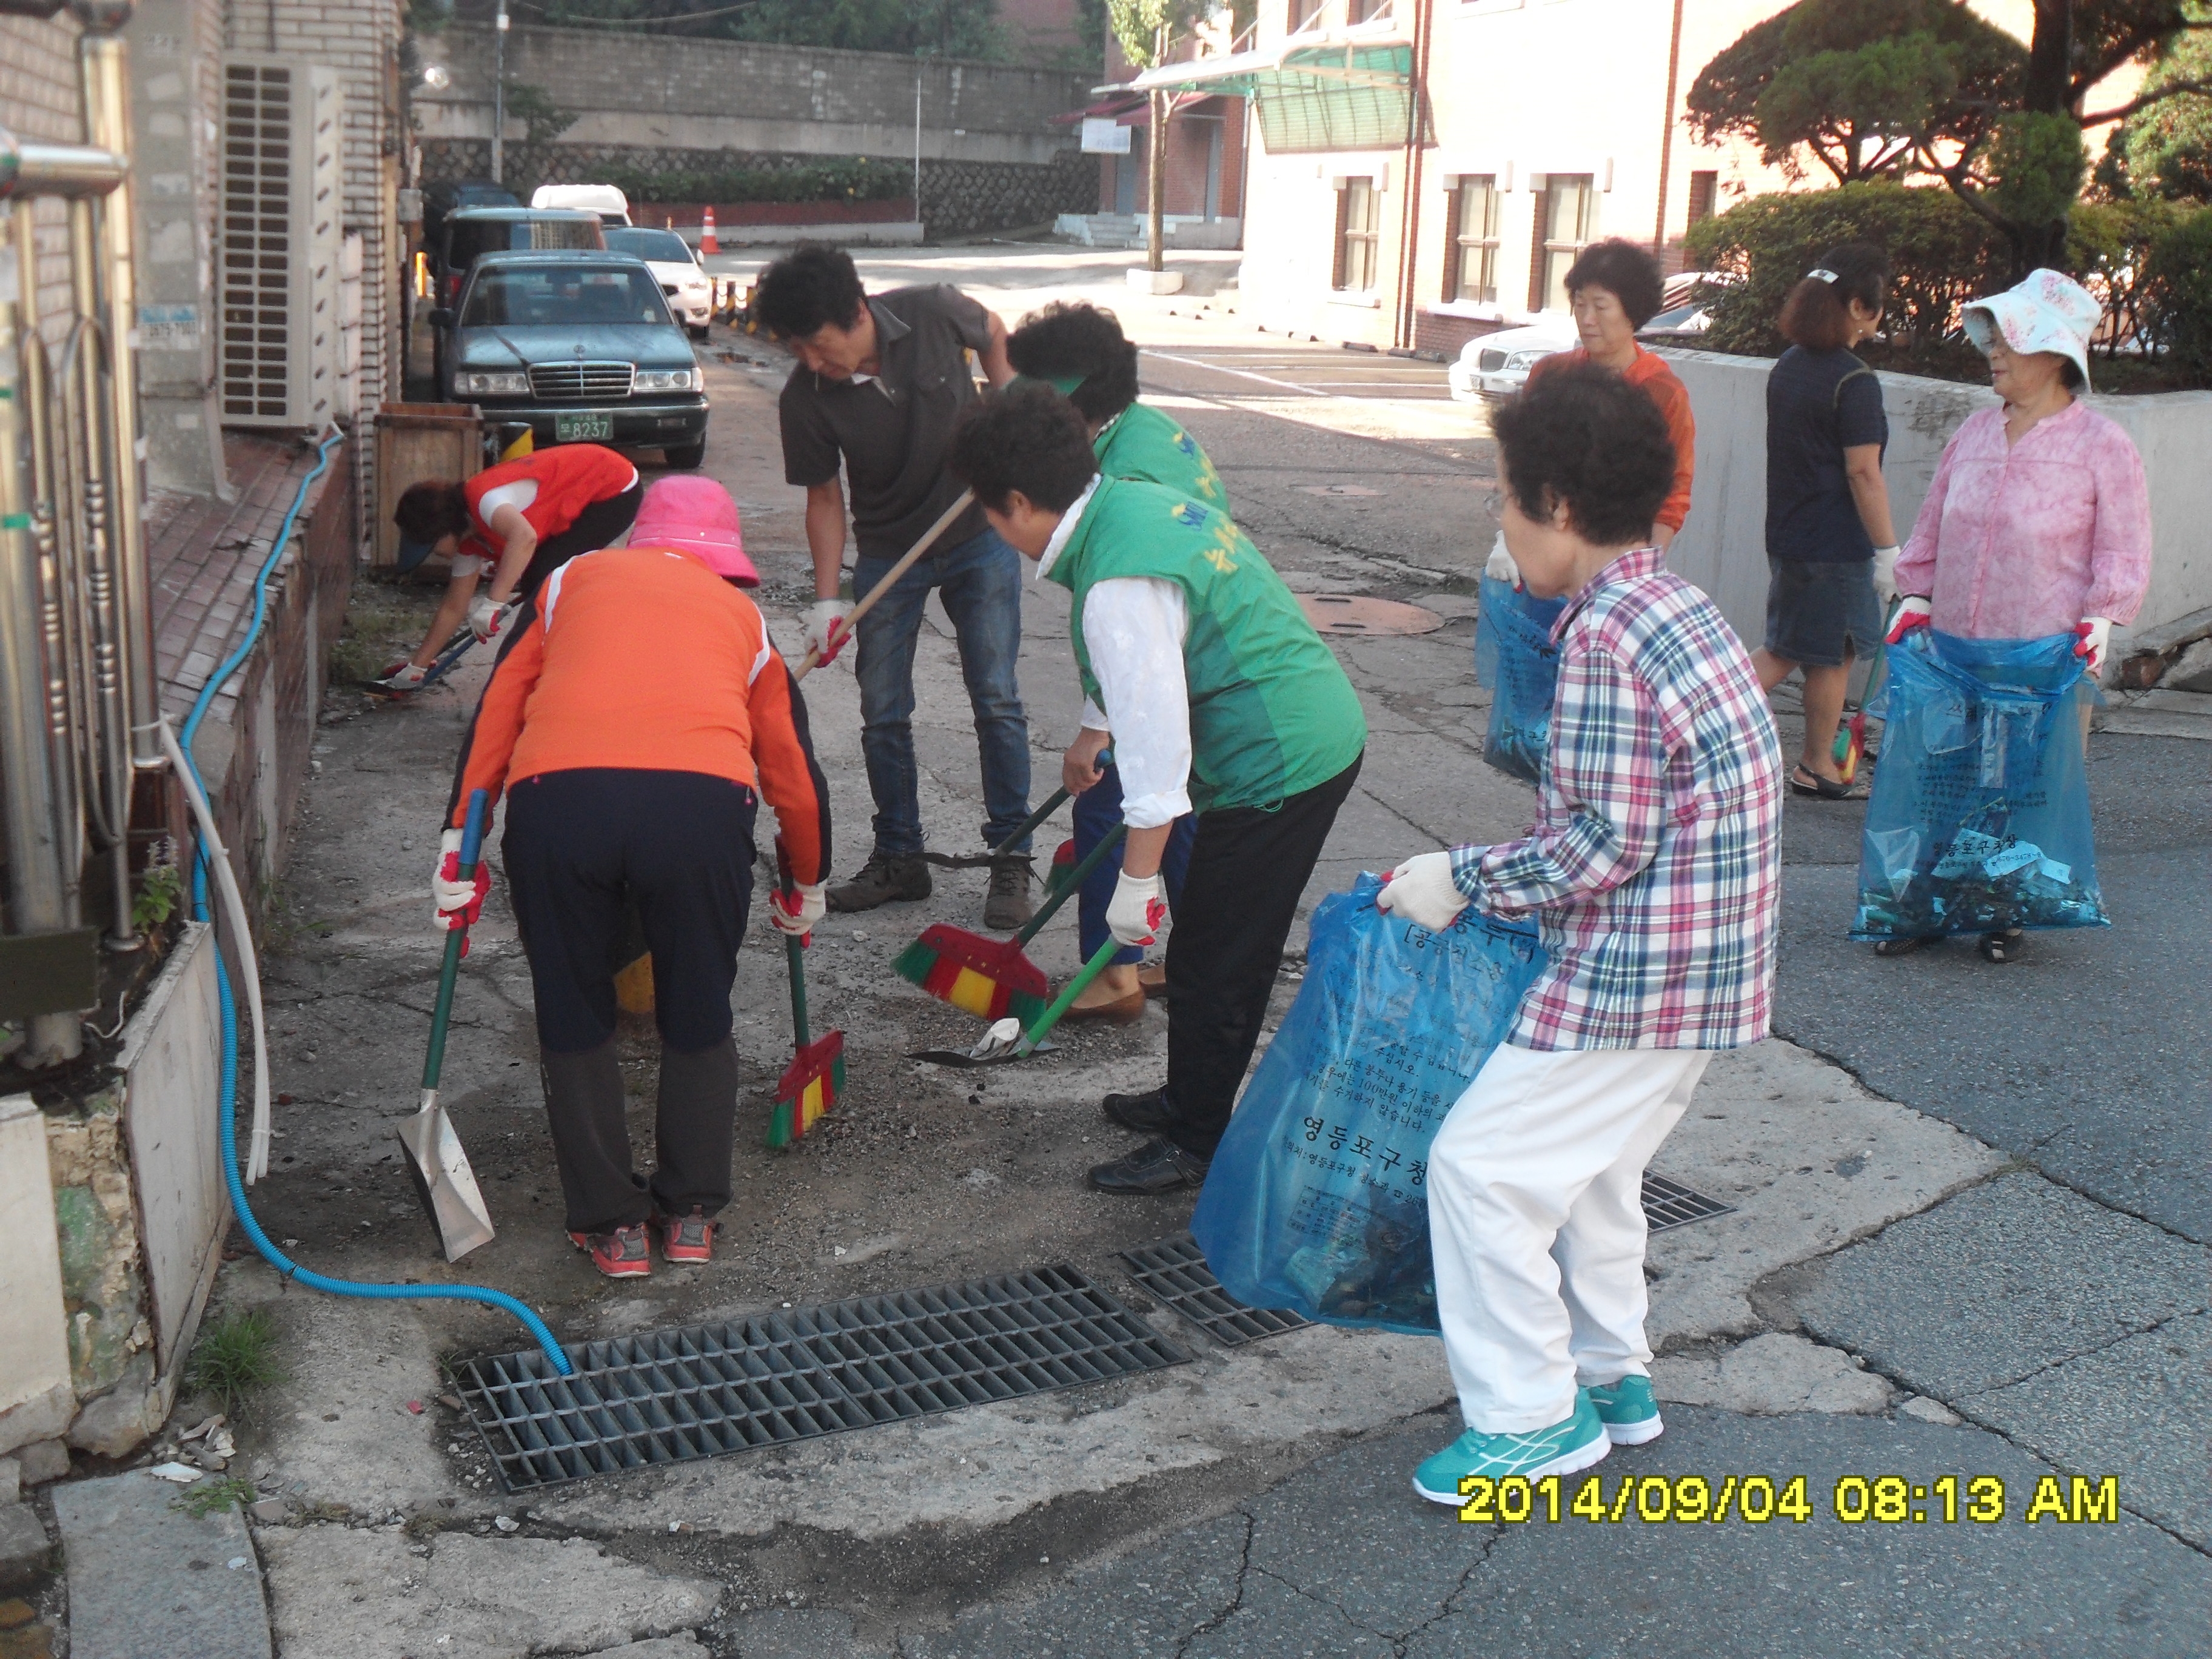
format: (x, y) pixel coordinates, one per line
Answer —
(2048, 312)
(697, 515)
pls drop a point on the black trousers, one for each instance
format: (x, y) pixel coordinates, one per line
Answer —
(581, 849)
(1248, 867)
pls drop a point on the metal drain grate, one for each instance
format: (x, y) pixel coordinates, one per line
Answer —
(1670, 1204)
(672, 1396)
(1175, 1271)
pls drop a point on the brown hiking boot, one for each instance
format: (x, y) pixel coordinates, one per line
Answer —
(883, 878)
(1008, 907)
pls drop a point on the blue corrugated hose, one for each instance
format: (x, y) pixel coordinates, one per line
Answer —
(276, 1259)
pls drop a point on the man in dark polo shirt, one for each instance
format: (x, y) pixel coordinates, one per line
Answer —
(879, 383)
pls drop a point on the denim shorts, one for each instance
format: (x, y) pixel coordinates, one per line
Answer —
(1819, 610)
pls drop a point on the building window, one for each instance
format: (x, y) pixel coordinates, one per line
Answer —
(1304, 15)
(1471, 258)
(1366, 11)
(1703, 187)
(1566, 223)
(1355, 237)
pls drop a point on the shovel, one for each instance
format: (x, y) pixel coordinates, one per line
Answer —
(443, 1179)
(1006, 1040)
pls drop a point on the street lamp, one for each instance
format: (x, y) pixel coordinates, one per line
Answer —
(499, 97)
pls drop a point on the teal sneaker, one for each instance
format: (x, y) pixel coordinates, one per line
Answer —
(1626, 1408)
(1562, 1448)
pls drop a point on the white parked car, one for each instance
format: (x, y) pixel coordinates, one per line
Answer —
(690, 291)
(1493, 368)
(605, 200)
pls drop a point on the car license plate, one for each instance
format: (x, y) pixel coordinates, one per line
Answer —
(582, 426)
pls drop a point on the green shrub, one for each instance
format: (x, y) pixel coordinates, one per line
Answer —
(1941, 252)
(847, 178)
(2108, 246)
(2177, 302)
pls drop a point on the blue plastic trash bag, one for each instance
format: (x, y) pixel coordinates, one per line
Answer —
(1317, 1200)
(1979, 819)
(1513, 657)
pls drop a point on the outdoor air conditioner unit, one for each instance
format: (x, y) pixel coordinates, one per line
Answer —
(281, 237)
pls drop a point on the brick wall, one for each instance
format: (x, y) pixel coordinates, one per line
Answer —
(39, 99)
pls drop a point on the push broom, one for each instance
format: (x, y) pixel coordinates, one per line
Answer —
(993, 979)
(815, 1078)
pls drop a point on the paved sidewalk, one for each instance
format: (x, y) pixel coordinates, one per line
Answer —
(1915, 1280)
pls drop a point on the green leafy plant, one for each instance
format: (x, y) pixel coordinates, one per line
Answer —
(1941, 253)
(234, 1359)
(2177, 303)
(161, 895)
(846, 179)
(213, 1496)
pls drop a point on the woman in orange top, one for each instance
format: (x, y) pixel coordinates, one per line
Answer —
(1615, 288)
(631, 724)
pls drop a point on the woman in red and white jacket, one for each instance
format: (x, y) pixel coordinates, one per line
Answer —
(515, 524)
(632, 724)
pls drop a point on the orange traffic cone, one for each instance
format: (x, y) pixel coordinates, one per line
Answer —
(706, 242)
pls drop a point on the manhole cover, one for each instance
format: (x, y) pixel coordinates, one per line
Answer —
(1337, 489)
(1670, 1204)
(1356, 613)
(1175, 1271)
(705, 1390)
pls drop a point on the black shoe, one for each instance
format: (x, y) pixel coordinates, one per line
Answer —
(1158, 1166)
(1144, 1115)
(884, 876)
(1008, 906)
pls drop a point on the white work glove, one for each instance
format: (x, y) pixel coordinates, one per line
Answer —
(1500, 563)
(1139, 905)
(1422, 891)
(825, 631)
(796, 912)
(1885, 574)
(458, 903)
(402, 675)
(489, 619)
(1911, 613)
(2091, 633)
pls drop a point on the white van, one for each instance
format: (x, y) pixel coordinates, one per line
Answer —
(609, 203)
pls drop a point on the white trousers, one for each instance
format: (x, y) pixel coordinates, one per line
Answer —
(1536, 1221)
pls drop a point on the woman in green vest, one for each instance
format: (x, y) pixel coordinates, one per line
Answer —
(1079, 350)
(1222, 699)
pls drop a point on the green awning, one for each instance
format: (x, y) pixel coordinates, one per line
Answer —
(1308, 98)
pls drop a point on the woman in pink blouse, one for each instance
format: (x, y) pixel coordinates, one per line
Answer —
(2038, 521)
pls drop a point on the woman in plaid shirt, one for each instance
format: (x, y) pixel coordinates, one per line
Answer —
(1653, 870)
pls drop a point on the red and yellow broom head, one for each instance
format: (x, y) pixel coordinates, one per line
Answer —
(810, 1086)
(987, 977)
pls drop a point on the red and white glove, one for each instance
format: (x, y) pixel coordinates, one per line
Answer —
(796, 912)
(1422, 891)
(459, 902)
(827, 629)
(1138, 907)
(492, 620)
(402, 675)
(1913, 612)
(2092, 634)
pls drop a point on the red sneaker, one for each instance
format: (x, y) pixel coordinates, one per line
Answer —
(622, 1253)
(687, 1241)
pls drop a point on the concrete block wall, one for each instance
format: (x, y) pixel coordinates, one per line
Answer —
(1723, 547)
(641, 90)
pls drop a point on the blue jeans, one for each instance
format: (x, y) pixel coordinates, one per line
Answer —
(981, 581)
(1097, 810)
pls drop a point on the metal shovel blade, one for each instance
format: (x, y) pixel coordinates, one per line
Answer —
(1001, 1044)
(443, 1179)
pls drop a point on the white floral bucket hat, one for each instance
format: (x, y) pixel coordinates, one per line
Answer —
(2048, 312)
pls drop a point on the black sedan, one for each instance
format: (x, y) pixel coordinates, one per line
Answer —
(581, 346)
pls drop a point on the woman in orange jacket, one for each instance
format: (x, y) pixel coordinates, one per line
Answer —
(632, 724)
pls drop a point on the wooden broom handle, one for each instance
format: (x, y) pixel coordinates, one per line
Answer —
(852, 620)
